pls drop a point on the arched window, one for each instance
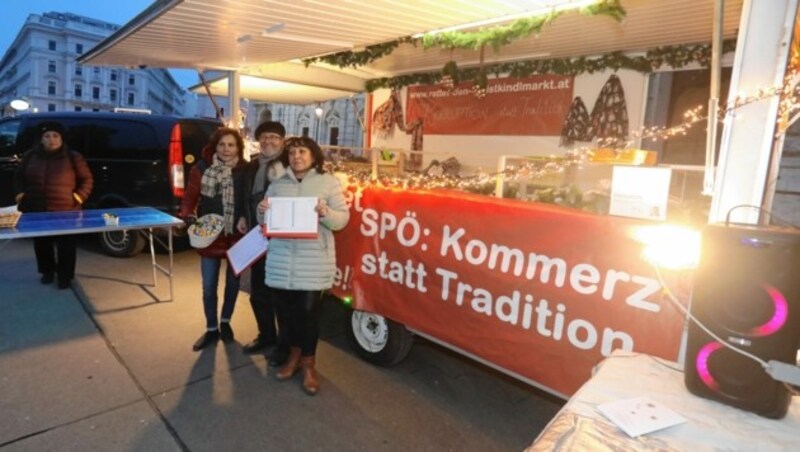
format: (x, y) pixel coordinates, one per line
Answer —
(304, 124)
(332, 120)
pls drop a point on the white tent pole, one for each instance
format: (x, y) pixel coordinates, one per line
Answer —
(233, 100)
(762, 48)
(713, 100)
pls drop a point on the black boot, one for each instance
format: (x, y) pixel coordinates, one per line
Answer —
(259, 344)
(208, 338)
(47, 278)
(279, 356)
(226, 332)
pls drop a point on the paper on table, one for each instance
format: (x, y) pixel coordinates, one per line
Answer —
(247, 250)
(292, 217)
(640, 415)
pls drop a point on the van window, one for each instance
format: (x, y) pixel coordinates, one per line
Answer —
(8, 138)
(76, 135)
(127, 140)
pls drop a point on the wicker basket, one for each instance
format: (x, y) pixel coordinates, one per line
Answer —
(9, 216)
(205, 230)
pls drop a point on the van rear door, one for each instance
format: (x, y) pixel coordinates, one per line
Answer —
(195, 134)
(10, 156)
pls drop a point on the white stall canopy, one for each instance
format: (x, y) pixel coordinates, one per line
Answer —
(251, 36)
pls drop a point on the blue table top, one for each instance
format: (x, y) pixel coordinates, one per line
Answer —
(39, 224)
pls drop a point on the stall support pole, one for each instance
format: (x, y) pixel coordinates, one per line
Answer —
(233, 98)
(762, 48)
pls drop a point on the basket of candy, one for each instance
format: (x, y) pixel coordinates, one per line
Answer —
(9, 216)
(205, 230)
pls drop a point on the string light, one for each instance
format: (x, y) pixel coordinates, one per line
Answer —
(543, 167)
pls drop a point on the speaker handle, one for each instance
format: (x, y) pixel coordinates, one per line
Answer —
(751, 206)
(761, 210)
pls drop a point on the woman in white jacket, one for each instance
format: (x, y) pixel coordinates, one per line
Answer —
(300, 270)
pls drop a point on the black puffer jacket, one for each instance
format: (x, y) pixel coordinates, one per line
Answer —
(49, 180)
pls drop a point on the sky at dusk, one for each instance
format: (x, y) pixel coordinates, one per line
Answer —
(15, 12)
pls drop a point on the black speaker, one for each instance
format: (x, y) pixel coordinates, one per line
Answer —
(747, 292)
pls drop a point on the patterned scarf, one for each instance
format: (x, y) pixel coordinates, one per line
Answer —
(218, 177)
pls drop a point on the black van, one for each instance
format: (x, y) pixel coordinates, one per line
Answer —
(136, 160)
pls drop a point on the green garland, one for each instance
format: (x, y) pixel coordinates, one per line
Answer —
(362, 58)
(672, 56)
(496, 37)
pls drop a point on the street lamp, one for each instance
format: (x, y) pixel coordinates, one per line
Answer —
(20, 104)
(318, 111)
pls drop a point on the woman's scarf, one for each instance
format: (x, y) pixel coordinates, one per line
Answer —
(269, 169)
(216, 178)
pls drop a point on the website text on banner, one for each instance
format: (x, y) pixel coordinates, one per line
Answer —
(542, 291)
(520, 106)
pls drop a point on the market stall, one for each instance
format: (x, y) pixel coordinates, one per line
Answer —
(530, 99)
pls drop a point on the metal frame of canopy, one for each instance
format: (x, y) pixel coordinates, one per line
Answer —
(250, 38)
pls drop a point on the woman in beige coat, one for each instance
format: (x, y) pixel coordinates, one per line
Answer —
(300, 270)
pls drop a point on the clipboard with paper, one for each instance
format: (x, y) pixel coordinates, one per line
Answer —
(247, 250)
(292, 218)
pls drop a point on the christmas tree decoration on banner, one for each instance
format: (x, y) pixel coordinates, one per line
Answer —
(480, 83)
(450, 76)
(609, 119)
(576, 124)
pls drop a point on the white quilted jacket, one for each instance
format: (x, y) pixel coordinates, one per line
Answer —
(307, 264)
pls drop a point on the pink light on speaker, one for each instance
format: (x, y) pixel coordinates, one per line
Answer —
(778, 318)
(702, 364)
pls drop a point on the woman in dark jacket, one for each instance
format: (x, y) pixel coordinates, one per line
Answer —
(215, 186)
(51, 178)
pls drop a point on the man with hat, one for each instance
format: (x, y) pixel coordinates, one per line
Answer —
(258, 174)
(51, 178)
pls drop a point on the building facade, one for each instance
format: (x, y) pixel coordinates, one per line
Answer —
(40, 66)
(335, 122)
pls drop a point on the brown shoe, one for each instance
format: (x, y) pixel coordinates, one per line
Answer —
(292, 365)
(310, 382)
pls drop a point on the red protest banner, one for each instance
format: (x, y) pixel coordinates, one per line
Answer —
(515, 106)
(541, 291)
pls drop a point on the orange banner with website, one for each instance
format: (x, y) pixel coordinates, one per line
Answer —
(535, 105)
(542, 291)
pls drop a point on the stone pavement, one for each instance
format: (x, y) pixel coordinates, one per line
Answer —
(105, 367)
